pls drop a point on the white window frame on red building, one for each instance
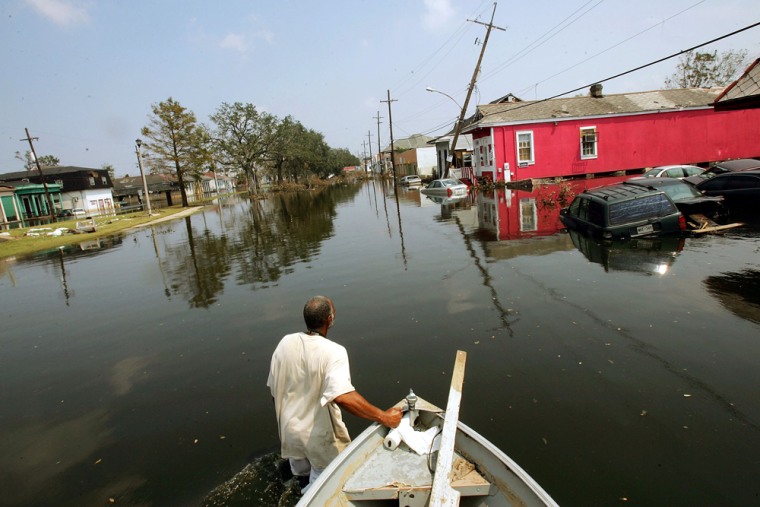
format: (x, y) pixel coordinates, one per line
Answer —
(588, 142)
(532, 158)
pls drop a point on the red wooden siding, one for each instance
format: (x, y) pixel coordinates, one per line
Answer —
(630, 142)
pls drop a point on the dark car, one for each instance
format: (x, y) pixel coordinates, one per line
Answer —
(741, 190)
(623, 211)
(729, 166)
(686, 197)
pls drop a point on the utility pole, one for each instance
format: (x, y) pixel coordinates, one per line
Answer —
(390, 126)
(369, 147)
(364, 154)
(458, 126)
(42, 176)
(379, 154)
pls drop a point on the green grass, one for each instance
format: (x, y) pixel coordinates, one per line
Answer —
(21, 245)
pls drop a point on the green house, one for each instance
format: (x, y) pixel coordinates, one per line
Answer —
(23, 204)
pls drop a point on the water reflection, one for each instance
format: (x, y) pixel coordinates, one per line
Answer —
(738, 292)
(650, 256)
(159, 404)
(257, 249)
(508, 214)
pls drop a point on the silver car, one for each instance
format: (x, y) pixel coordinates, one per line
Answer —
(448, 187)
(673, 171)
(410, 179)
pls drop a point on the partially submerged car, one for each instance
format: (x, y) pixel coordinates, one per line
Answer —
(686, 197)
(623, 211)
(447, 187)
(673, 171)
(729, 166)
(740, 189)
(410, 179)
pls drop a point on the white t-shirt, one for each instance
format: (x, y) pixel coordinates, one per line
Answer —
(306, 374)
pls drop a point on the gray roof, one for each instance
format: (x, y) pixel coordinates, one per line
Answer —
(155, 182)
(536, 111)
(748, 85)
(411, 142)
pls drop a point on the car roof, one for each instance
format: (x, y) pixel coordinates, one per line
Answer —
(619, 192)
(739, 164)
(666, 167)
(748, 172)
(654, 182)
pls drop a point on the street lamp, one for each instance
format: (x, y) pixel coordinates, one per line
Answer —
(146, 196)
(431, 89)
(452, 147)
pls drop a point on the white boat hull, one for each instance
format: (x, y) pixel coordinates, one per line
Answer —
(367, 473)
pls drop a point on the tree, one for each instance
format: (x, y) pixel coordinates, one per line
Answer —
(111, 170)
(338, 158)
(179, 145)
(242, 138)
(705, 70)
(45, 160)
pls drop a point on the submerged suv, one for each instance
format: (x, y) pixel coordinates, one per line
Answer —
(623, 211)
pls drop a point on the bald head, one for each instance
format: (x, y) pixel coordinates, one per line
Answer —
(317, 312)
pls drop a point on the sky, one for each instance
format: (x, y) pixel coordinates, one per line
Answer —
(82, 75)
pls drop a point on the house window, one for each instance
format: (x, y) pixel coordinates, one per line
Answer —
(525, 154)
(92, 181)
(104, 180)
(588, 142)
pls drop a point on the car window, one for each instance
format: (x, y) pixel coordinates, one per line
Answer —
(678, 192)
(641, 208)
(435, 184)
(596, 213)
(651, 173)
(674, 172)
(692, 171)
(575, 206)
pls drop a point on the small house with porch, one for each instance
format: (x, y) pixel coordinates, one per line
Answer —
(23, 204)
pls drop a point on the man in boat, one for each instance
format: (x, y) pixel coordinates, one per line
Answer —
(310, 381)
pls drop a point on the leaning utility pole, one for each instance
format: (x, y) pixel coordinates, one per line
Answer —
(390, 126)
(458, 126)
(380, 162)
(42, 176)
(369, 147)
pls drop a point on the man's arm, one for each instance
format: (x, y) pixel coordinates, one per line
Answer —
(354, 403)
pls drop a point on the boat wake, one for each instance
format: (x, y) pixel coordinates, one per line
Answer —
(266, 482)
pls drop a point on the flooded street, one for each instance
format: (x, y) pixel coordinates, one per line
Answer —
(134, 368)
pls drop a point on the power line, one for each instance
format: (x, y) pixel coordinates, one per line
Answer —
(546, 38)
(639, 67)
(520, 92)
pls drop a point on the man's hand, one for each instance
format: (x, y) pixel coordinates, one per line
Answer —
(392, 417)
(354, 403)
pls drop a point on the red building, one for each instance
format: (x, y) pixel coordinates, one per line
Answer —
(598, 134)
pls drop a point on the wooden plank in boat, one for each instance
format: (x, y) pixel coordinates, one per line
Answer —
(443, 494)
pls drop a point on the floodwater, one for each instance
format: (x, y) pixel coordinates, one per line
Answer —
(134, 368)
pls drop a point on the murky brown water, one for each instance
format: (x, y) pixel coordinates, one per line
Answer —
(134, 368)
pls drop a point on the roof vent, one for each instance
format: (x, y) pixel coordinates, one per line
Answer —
(596, 90)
